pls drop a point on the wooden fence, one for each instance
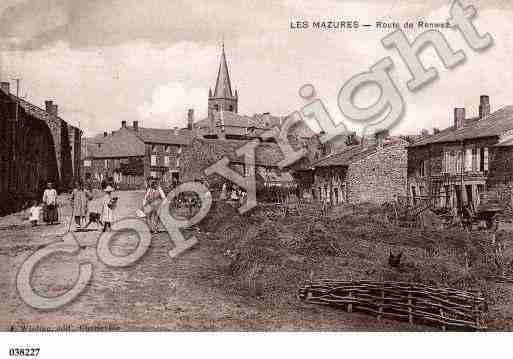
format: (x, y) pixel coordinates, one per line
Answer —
(415, 303)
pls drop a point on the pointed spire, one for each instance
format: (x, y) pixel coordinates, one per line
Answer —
(223, 87)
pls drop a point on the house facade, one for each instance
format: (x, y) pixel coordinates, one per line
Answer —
(373, 173)
(203, 153)
(452, 167)
(133, 154)
(36, 146)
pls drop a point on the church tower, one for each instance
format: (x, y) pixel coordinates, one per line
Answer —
(223, 99)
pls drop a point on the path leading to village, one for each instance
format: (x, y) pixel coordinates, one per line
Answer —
(156, 293)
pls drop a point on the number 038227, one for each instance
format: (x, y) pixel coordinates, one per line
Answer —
(23, 352)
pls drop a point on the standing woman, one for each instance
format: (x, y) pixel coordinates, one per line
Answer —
(51, 214)
(79, 200)
(153, 197)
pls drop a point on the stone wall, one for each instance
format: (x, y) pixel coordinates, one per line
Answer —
(378, 177)
(500, 175)
(27, 157)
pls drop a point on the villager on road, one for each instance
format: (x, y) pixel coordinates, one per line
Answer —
(109, 205)
(79, 201)
(51, 214)
(153, 197)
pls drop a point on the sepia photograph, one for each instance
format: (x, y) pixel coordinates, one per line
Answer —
(276, 166)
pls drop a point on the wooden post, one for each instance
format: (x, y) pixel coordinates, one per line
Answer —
(410, 316)
(442, 317)
(381, 303)
(477, 311)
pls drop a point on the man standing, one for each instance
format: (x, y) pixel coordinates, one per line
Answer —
(51, 214)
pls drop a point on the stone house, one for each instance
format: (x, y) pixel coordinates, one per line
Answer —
(203, 153)
(36, 146)
(359, 173)
(133, 154)
(452, 167)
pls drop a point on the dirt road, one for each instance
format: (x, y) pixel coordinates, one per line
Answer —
(156, 293)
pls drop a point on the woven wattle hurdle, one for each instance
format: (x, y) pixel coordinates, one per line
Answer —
(447, 308)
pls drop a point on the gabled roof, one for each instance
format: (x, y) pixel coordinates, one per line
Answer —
(123, 143)
(495, 124)
(351, 154)
(36, 111)
(162, 136)
(266, 154)
(231, 119)
(223, 87)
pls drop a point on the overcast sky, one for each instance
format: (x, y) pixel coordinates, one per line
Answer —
(104, 61)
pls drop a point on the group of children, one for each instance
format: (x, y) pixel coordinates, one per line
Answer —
(79, 202)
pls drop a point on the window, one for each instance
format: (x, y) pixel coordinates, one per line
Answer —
(459, 161)
(153, 174)
(106, 163)
(475, 159)
(166, 161)
(483, 159)
(87, 163)
(468, 160)
(153, 148)
(168, 149)
(231, 108)
(153, 161)
(422, 168)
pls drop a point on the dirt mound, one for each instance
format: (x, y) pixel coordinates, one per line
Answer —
(220, 214)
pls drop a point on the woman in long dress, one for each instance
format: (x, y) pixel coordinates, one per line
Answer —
(153, 198)
(79, 201)
(108, 206)
(51, 214)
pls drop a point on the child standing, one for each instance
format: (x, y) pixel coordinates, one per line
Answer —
(35, 213)
(109, 204)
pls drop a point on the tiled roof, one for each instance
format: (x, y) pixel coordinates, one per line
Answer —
(495, 124)
(266, 154)
(121, 144)
(36, 111)
(231, 119)
(164, 136)
(351, 154)
(33, 109)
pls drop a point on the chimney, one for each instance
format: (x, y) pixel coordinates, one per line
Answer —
(123, 124)
(459, 117)
(49, 106)
(436, 130)
(484, 106)
(5, 86)
(136, 125)
(190, 119)
(105, 134)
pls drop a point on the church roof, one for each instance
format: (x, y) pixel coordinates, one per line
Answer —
(223, 87)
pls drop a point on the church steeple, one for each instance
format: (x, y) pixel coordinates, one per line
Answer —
(223, 98)
(223, 87)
